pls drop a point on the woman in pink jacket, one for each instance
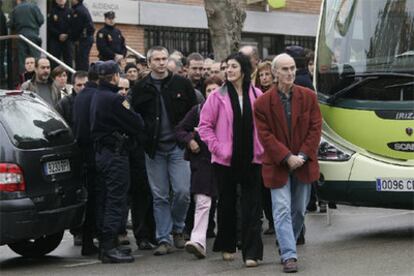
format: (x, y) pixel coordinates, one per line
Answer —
(228, 128)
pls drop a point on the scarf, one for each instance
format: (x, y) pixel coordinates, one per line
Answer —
(242, 156)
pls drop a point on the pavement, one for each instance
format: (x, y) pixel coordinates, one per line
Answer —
(358, 241)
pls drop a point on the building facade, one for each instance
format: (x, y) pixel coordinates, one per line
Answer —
(182, 24)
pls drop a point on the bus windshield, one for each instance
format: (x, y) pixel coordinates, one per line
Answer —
(366, 39)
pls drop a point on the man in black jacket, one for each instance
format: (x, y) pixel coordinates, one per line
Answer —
(109, 40)
(163, 99)
(59, 22)
(65, 105)
(82, 34)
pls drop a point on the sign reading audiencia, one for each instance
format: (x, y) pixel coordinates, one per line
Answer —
(126, 11)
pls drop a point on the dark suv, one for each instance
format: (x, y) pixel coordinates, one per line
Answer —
(41, 191)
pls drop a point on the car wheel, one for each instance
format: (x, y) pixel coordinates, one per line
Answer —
(37, 247)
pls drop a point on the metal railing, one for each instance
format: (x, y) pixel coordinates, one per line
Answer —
(25, 39)
(135, 52)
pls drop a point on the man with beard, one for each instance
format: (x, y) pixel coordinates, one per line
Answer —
(42, 83)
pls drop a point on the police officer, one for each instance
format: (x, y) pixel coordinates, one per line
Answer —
(59, 21)
(109, 40)
(82, 34)
(111, 120)
(81, 131)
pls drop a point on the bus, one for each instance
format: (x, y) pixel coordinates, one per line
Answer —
(364, 77)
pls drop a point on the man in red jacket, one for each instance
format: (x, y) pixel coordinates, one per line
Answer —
(289, 125)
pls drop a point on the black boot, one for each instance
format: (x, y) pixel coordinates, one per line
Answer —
(114, 255)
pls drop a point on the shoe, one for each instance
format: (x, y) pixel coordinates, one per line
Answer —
(77, 240)
(332, 205)
(195, 249)
(290, 266)
(179, 241)
(251, 263)
(228, 256)
(269, 231)
(322, 207)
(163, 249)
(311, 207)
(89, 250)
(124, 249)
(114, 255)
(145, 245)
(123, 239)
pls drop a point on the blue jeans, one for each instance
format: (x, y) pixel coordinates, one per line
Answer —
(288, 206)
(165, 170)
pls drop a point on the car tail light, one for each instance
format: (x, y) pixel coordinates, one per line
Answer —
(11, 178)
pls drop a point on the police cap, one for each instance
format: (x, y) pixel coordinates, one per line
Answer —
(109, 67)
(295, 51)
(109, 15)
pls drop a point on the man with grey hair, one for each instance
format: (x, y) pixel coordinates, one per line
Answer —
(289, 126)
(163, 99)
(175, 66)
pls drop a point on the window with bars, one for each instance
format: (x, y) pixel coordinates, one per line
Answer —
(187, 40)
(184, 40)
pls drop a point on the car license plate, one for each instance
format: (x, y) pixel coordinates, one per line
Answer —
(395, 185)
(56, 167)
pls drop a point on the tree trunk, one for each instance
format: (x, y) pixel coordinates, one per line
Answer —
(225, 22)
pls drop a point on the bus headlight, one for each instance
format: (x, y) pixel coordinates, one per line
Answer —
(329, 152)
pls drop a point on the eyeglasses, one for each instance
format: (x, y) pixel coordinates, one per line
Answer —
(123, 88)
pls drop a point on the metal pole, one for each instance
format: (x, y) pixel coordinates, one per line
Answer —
(134, 52)
(22, 37)
(70, 69)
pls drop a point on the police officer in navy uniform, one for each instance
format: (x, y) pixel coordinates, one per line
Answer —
(82, 34)
(59, 21)
(109, 40)
(81, 130)
(113, 126)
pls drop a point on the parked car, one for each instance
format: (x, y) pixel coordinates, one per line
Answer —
(41, 189)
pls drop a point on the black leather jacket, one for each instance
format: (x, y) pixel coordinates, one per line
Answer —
(179, 97)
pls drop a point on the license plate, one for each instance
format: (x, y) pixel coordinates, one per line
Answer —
(56, 167)
(395, 185)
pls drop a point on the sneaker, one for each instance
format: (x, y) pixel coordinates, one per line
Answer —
(145, 245)
(251, 263)
(179, 241)
(228, 256)
(195, 249)
(290, 266)
(123, 239)
(163, 248)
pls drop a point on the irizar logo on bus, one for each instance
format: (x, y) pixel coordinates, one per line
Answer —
(402, 146)
(404, 116)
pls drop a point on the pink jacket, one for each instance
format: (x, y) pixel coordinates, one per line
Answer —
(216, 126)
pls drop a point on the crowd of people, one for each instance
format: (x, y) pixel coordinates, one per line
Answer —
(195, 148)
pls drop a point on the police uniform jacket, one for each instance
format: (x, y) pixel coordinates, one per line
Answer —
(59, 21)
(81, 111)
(178, 95)
(82, 25)
(110, 112)
(109, 41)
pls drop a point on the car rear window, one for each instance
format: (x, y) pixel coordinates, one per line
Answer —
(31, 123)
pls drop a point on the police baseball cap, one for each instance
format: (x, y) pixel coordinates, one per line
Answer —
(94, 67)
(109, 15)
(109, 67)
(295, 51)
